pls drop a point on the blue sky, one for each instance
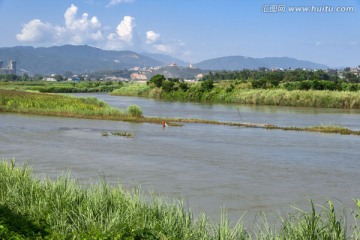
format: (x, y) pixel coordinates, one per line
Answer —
(190, 29)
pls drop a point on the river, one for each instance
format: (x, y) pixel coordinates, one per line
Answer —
(208, 166)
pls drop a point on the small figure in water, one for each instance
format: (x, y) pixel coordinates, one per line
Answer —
(164, 124)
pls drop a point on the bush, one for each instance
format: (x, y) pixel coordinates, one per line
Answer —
(207, 85)
(168, 86)
(157, 80)
(135, 111)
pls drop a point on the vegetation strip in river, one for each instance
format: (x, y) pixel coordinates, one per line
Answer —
(92, 108)
(62, 208)
(239, 92)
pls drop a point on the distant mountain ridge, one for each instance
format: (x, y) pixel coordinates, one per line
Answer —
(82, 59)
(241, 62)
(77, 59)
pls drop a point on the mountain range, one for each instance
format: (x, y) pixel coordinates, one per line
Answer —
(83, 59)
(241, 62)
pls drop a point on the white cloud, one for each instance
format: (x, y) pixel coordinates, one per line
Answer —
(163, 48)
(35, 31)
(125, 29)
(152, 37)
(80, 28)
(173, 47)
(116, 2)
(77, 30)
(79, 24)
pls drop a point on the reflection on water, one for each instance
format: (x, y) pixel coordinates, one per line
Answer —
(207, 166)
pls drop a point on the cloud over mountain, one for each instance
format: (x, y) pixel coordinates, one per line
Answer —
(81, 28)
(77, 30)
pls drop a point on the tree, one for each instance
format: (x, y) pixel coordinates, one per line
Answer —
(183, 86)
(157, 80)
(59, 78)
(168, 86)
(207, 85)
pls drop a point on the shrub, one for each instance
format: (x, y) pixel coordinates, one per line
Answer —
(207, 85)
(168, 86)
(157, 80)
(135, 111)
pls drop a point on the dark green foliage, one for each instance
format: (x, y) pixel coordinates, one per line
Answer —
(277, 76)
(261, 83)
(18, 226)
(230, 88)
(321, 85)
(157, 80)
(168, 86)
(183, 86)
(207, 85)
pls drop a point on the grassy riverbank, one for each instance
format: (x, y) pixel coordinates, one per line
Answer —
(62, 105)
(92, 108)
(63, 209)
(243, 93)
(61, 87)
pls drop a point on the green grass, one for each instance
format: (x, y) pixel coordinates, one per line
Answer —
(62, 208)
(61, 87)
(243, 94)
(133, 89)
(62, 105)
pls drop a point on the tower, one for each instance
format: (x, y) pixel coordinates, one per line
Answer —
(12, 67)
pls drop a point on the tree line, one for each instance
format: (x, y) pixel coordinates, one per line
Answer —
(278, 76)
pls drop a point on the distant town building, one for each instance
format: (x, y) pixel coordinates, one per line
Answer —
(74, 78)
(138, 77)
(9, 69)
(50, 79)
(355, 71)
(199, 76)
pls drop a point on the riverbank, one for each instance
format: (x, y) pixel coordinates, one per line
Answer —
(92, 108)
(64, 209)
(61, 87)
(242, 93)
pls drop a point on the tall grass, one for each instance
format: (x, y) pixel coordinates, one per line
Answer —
(133, 89)
(61, 87)
(298, 98)
(242, 94)
(62, 105)
(63, 209)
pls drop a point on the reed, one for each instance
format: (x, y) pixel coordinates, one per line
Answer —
(243, 95)
(62, 208)
(61, 87)
(63, 105)
(132, 89)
